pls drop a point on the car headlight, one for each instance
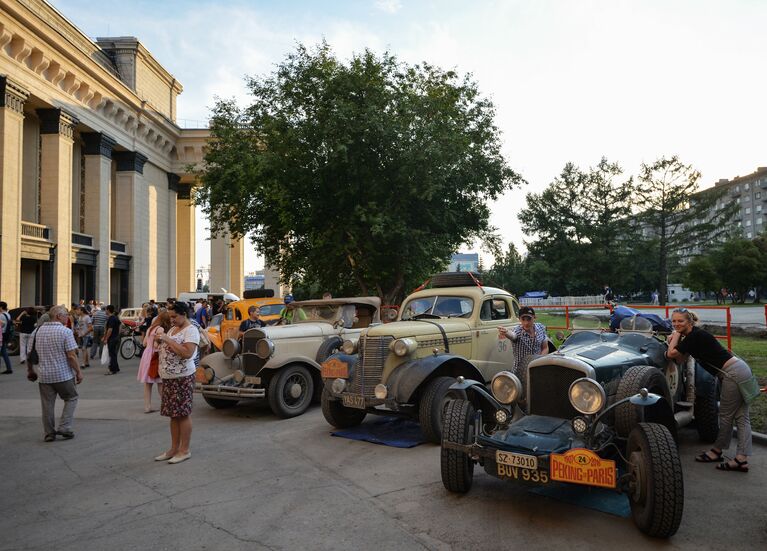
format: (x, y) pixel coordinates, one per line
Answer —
(587, 396)
(404, 347)
(238, 376)
(230, 348)
(381, 391)
(349, 347)
(506, 387)
(264, 349)
(338, 386)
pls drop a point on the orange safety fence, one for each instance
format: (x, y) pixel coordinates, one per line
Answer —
(567, 308)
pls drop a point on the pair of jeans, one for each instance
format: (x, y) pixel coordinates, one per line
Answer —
(97, 346)
(113, 345)
(5, 357)
(67, 391)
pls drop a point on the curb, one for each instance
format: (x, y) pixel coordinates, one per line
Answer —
(759, 438)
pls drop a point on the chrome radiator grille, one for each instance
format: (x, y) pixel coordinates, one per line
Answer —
(251, 364)
(369, 369)
(548, 389)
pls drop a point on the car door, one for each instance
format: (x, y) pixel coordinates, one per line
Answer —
(494, 354)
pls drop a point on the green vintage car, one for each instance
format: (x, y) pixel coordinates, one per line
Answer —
(406, 367)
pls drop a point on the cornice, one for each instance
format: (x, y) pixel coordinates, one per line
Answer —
(129, 161)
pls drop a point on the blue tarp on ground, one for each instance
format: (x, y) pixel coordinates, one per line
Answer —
(599, 499)
(397, 432)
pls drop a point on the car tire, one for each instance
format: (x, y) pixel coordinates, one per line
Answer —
(127, 348)
(431, 407)
(219, 403)
(290, 391)
(657, 497)
(328, 347)
(707, 413)
(339, 416)
(457, 467)
(627, 415)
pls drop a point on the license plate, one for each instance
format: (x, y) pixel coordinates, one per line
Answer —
(353, 401)
(335, 369)
(581, 466)
(518, 473)
(516, 460)
(249, 380)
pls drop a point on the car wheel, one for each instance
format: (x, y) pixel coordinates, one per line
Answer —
(339, 416)
(656, 494)
(290, 391)
(219, 403)
(127, 349)
(328, 348)
(636, 378)
(432, 407)
(707, 413)
(457, 467)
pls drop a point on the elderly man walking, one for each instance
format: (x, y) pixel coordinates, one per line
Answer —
(59, 372)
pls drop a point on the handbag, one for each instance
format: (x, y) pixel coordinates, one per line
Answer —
(154, 366)
(749, 389)
(32, 357)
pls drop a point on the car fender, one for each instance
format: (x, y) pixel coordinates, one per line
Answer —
(406, 379)
(703, 379)
(476, 393)
(221, 365)
(283, 361)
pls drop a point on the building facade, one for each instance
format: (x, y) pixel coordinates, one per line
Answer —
(750, 193)
(95, 194)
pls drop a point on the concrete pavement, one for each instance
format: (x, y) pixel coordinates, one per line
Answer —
(257, 482)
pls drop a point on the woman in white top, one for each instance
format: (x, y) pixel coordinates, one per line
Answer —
(177, 349)
(84, 333)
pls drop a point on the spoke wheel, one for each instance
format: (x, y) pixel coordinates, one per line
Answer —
(291, 391)
(128, 348)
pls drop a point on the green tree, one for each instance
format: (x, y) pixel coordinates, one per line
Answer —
(580, 228)
(701, 275)
(369, 171)
(673, 211)
(509, 272)
(740, 265)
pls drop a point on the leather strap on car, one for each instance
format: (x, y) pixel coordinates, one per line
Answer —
(441, 330)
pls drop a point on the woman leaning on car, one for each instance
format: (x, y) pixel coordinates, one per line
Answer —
(731, 370)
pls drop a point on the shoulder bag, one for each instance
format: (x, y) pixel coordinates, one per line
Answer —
(32, 357)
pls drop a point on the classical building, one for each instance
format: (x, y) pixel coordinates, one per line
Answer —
(94, 190)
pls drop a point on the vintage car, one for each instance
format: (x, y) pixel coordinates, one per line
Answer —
(599, 412)
(406, 367)
(282, 363)
(226, 325)
(13, 346)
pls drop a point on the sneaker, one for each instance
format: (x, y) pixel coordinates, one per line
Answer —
(49, 437)
(7, 372)
(66, 434)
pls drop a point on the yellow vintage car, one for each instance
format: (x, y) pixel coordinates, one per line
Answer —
(226, 324)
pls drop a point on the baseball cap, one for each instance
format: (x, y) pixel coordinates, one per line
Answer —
(526, 311)
(289, 299)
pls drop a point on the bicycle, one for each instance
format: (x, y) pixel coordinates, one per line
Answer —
(132, 345)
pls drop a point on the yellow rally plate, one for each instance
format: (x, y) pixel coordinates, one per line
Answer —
(581, 466)
(335, 369)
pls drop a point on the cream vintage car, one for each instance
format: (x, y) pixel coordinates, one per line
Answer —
(407, 367)
(282, 363)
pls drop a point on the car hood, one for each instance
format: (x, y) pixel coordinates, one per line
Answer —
(608, 353)
(296, 331)
(400, 329)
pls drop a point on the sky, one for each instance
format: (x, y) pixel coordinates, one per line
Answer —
(572, 81)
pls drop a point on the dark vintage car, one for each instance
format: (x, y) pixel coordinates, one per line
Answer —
(598, 412)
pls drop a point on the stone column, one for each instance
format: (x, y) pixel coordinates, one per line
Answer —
(132, 221)
(56, 131)
(98, 174)
(12, 98)
(173, 180)
(185, 240)
(220, 263)
(236, 267)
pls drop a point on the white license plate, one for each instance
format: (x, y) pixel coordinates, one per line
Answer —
(249, 380)
(516, 460)
(353, 401)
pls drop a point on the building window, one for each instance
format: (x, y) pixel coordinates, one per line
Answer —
(737, 189)
(748, 223)
(758, 195)
(749, 235)
(758, 221)
(747, 186)
(758, 208)
(748, 210)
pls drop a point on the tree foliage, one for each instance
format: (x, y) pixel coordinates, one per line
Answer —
(671, 210)
(364, 175)
(509, 272)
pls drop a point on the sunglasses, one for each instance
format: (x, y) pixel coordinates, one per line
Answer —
(681, 310)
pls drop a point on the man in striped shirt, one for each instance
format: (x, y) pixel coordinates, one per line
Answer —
(99, 321)
(59, 373)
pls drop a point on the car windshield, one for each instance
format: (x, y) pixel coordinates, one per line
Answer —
(441, 306)
(271, 309)
(328, 313)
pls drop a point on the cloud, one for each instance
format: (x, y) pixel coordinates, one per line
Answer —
(389, 6)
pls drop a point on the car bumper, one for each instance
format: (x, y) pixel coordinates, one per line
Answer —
(226, 391)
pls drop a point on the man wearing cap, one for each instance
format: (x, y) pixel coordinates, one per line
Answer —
(291, 312)
(527, 339)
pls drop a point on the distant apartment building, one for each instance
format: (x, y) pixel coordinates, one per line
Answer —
(464, 262)
(750, 192)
